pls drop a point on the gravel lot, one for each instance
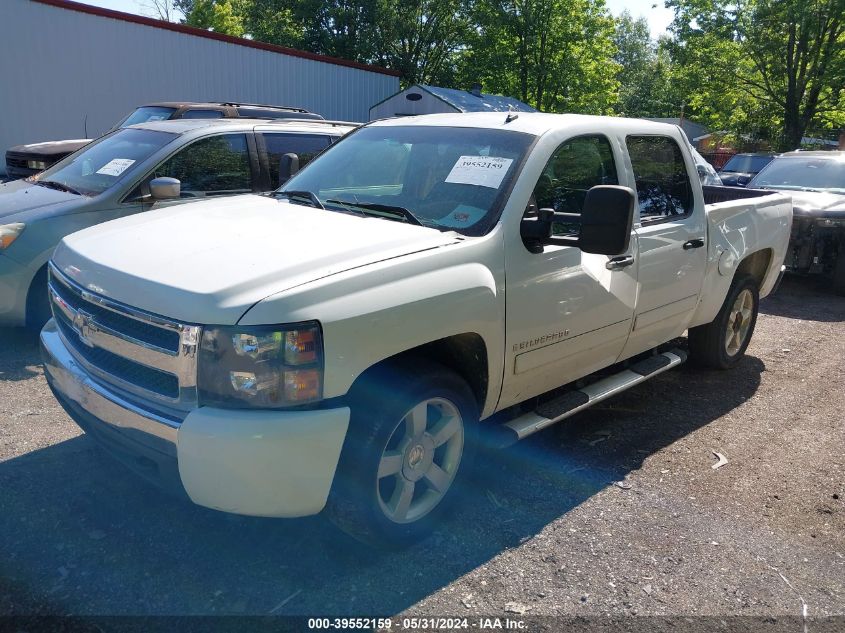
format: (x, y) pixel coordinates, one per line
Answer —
(544, 527)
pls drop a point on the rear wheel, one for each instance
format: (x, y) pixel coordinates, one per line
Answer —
(410, 441)
(721, 343)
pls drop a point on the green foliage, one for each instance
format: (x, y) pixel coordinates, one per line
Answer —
(645, 88)
(768, 68)
(556, 55)
(220, 16)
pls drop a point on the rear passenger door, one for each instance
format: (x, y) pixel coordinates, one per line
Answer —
(671, 240)
(273, 145)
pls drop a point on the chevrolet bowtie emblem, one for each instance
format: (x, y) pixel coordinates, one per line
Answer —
(84, 325)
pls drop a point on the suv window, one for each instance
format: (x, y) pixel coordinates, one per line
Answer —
(201, 114)
(306, 146)
(663, 185)
(218, 165)
(577, 166)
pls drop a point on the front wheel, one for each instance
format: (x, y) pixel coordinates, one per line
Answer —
(721, 343)
(410, 441)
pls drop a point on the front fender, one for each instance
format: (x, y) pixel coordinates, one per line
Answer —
(392, 309)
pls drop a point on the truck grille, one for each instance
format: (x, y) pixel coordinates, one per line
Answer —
(135, 352)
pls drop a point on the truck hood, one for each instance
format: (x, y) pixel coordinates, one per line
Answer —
(50, 148)
(209, 262)
(817, 204)
(19, 195)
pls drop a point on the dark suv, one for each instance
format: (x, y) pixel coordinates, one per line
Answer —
(23, 161)
(741, 168)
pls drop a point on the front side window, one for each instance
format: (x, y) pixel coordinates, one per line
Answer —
(218, 165)
(450, 178)
(99, 165)
(663, 184)
(306, 146)
(577, 166)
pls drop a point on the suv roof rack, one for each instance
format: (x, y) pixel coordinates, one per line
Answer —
(236, 104)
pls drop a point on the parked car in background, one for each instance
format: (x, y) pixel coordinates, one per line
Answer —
(336, 344)
(816, 181)
(135, 169)
(23, 161)
(741, 168)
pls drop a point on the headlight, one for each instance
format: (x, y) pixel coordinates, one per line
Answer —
(9, 233)
(263, 366)
(36, 164)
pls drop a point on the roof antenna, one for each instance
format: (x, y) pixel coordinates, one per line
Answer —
(512, 114)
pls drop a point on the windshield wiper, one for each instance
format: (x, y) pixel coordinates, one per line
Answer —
(386, 211)
(60, 186)
(308, 195)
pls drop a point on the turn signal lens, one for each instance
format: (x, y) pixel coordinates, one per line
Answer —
(9, 233)
(301, 347)
(302, 385)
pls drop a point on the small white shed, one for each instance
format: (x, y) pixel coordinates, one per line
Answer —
(422, 99)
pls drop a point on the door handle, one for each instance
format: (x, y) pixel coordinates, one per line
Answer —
(696, 243)
(618, 263)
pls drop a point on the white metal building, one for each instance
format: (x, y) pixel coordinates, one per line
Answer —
(71, 70)
(422, 99)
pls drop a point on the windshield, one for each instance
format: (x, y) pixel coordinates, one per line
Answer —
(104, 162)
(146, 114)
(809, 173)
(747, 164)
(445, 177)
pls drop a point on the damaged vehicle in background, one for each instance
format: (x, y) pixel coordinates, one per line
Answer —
(27, 160)
(816, 181)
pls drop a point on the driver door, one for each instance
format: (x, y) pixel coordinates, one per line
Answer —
(568, 312)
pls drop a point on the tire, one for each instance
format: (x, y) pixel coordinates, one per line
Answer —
(721, 343)
(402, 462)
(839, 272)
(38, 302)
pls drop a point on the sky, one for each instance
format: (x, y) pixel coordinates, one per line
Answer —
(653, 11)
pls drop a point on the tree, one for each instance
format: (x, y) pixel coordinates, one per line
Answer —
(220, 16)
(553, 54)
(781, 61)
(644, 71)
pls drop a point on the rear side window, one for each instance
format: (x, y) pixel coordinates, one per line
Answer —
(663, 184)
(306, 146)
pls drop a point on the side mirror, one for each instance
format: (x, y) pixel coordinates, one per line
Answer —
(288, 166)
(165, 188)
(606, 220)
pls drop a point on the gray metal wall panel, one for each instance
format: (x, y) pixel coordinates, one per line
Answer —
(63, 67)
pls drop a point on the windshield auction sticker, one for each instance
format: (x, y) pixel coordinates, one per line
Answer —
(115, 166)
(484, 171)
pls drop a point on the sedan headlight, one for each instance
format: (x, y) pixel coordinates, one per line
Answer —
(36, 164)
(261, 367)
(9, 233)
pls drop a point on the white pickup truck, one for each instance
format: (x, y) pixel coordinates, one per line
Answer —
(336, 345)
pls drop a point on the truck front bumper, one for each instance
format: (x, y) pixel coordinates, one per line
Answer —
(260, 463)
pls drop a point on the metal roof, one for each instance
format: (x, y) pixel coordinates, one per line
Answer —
(190, 30)
(466, 101)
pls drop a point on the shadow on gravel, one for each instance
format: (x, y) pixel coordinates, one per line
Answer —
(81, 535)
(809, 298)
(18, 353)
